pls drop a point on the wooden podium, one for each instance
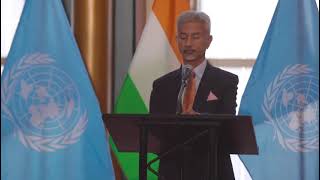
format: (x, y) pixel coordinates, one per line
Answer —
(142, 133)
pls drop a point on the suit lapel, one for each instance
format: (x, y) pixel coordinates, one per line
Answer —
(207, 84)
(177, 83)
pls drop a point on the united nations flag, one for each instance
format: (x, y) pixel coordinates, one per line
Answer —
(282, 95)
(51, 126)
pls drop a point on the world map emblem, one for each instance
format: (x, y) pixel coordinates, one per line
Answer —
(43, 104)
(291, 105)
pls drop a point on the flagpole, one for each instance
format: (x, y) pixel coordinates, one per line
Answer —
(300, 53)
(93, 28)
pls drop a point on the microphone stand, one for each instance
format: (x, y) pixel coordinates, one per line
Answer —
(179, 102)
(186, 72)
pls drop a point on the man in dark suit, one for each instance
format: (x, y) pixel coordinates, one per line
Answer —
(214, 91)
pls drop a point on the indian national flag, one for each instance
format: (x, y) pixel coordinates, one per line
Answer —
(156, 55)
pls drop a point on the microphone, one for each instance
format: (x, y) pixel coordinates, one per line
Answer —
(186, 72)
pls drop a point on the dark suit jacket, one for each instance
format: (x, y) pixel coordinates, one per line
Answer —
(164, 101)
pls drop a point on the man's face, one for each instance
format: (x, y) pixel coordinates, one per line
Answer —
(193, 40)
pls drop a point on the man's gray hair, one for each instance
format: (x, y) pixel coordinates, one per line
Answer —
(193, 16)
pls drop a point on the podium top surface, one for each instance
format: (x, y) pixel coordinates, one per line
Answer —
(237, 131)
(171, 119)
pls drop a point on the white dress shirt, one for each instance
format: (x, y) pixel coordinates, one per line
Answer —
(199, 70)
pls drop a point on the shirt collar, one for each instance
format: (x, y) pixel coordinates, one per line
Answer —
(199, 70)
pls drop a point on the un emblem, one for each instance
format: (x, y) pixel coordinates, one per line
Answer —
(291, 104)
(43, 104)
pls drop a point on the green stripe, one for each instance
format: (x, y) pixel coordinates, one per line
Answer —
(130, 102)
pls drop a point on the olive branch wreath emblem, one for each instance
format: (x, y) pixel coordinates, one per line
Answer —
(292, 144)
(36, 142)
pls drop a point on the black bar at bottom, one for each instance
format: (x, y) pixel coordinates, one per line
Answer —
(143, 153)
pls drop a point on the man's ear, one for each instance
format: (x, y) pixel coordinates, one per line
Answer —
(209, 41)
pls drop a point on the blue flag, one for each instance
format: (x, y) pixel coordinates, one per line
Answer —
(282, 96)
(51, 126)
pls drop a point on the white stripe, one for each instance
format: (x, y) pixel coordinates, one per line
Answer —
(153, 58)
(239, 170)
